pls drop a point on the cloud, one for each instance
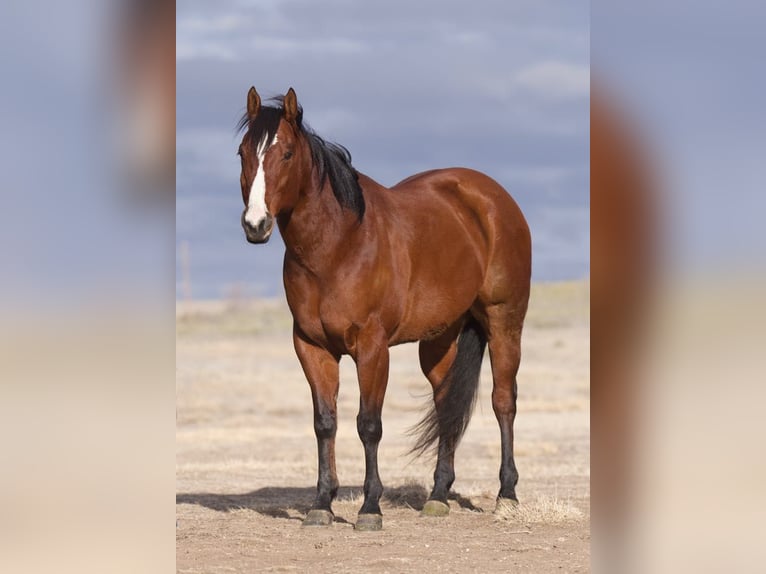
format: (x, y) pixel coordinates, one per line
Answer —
(539, 84)
(555, 80)
(204, 50)
(223, 23)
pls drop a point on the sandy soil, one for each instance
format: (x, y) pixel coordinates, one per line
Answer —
(246, 455)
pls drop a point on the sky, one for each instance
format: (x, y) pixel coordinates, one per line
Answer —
(499, 86)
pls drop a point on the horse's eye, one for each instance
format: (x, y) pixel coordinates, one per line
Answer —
(288, 155)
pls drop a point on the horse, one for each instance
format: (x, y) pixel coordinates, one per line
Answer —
(442, 258)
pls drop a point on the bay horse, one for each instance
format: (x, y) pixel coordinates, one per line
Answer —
(443, 258)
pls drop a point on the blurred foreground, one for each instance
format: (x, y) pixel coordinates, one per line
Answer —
(677, 338)
(87, 163)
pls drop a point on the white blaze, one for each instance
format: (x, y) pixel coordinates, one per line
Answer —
(256, 205)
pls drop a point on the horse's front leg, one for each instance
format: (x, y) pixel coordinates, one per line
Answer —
(372, 369)
(321, 369)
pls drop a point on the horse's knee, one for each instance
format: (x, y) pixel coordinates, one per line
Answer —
(369, 427)
(325, 424)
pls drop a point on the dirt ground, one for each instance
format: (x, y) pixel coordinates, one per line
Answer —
(246, 454)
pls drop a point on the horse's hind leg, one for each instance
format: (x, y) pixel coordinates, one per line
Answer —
(505, 326)
(436, 358)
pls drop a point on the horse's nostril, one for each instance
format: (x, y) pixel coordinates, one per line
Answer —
(258, 231)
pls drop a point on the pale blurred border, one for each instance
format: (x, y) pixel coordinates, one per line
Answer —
(87, 225)
(678, 277)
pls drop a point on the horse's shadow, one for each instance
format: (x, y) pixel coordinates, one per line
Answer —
(276, 501)
(272, 501)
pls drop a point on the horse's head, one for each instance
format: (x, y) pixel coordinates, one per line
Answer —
(274, 160)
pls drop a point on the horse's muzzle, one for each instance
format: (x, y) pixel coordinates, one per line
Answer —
(259, 233)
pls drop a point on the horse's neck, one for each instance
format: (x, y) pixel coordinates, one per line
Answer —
(317, 229)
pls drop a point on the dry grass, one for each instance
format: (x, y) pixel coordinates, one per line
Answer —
(237, 318)
(559, 304)
(354, 496)
(542, 509)
(411, 494)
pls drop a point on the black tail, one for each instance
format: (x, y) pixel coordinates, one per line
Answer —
(457, 395)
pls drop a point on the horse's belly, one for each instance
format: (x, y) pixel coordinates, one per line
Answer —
(438, 299)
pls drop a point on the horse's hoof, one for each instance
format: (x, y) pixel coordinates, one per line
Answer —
(505, 505)
(369, 522)
(435, 508)
(318, 517)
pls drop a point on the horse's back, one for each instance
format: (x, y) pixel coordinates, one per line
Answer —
(473, 188)
(475, 197)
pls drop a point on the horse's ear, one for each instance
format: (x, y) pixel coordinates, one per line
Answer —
(253, 103)
(291, 106)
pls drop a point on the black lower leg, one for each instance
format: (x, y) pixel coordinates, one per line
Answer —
(325, 426)
(509, 476)
(370, 431)
(504, 404)
(444, 475)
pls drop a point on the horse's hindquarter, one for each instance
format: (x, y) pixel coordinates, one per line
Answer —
(464, 238)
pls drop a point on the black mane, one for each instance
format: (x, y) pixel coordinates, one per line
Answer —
(332, 161)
